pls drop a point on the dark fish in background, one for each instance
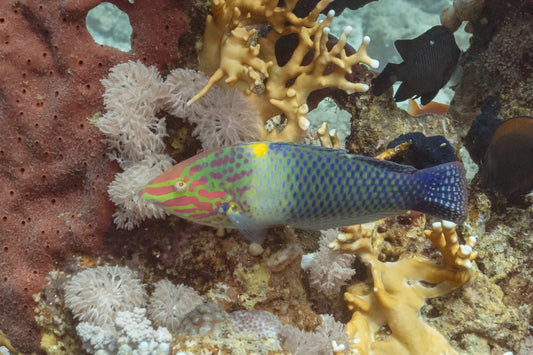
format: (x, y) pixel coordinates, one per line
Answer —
(508, 163)
(483, 127)
(502, 149)
(429, 61)
(425, 152)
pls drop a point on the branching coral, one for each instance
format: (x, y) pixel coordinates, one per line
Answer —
(386, 315)
(240, 43)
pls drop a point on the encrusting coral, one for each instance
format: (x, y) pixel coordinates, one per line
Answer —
(386, 315)
(240, 43)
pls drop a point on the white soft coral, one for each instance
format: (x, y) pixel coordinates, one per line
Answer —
(134, 97)
(222, 116)
(329, 270)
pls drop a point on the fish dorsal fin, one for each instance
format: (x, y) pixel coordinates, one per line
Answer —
(344, 154)
(406, 48)
(436, 38)
(389, 165)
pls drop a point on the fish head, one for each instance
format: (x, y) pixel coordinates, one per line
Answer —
(187, 190)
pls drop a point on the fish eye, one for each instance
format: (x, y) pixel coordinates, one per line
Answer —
(181, 185)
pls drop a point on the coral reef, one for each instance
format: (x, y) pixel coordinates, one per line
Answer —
(262, 323)
(206, 318)
(129, 330)
(386, 315)
(222, 117)
(54, 171)
(243, 41)
(329, 337)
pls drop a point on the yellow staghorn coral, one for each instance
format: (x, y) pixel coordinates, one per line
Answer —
(239, 44)
(386, 316)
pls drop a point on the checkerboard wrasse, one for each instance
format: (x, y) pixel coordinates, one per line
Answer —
(255, 186)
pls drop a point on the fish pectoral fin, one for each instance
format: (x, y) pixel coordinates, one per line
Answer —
(246, 225)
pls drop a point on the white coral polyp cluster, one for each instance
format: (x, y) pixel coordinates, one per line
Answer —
(169, 303)
(111, 304)
(95, 295)
(329, 270)
(134, 97)
(222, 116)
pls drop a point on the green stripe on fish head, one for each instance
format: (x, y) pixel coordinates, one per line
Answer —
(189, 190)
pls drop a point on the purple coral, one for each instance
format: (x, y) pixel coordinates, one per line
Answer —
(262, 323)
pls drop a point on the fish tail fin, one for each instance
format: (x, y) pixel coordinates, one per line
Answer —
(385, 79)
(444, 192)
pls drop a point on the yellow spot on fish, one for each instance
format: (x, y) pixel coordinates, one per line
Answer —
(233, 207)
(260, 149)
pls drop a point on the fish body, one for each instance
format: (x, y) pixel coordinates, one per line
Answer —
(254, 186)
(503, 149)
(425, 152)
(507, 165)
(429, 61)
(478, 138)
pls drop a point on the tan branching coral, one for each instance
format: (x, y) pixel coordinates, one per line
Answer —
(240, 44)
(386, 317)
(444, 237)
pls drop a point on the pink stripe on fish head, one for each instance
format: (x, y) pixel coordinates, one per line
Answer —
(156, 191)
